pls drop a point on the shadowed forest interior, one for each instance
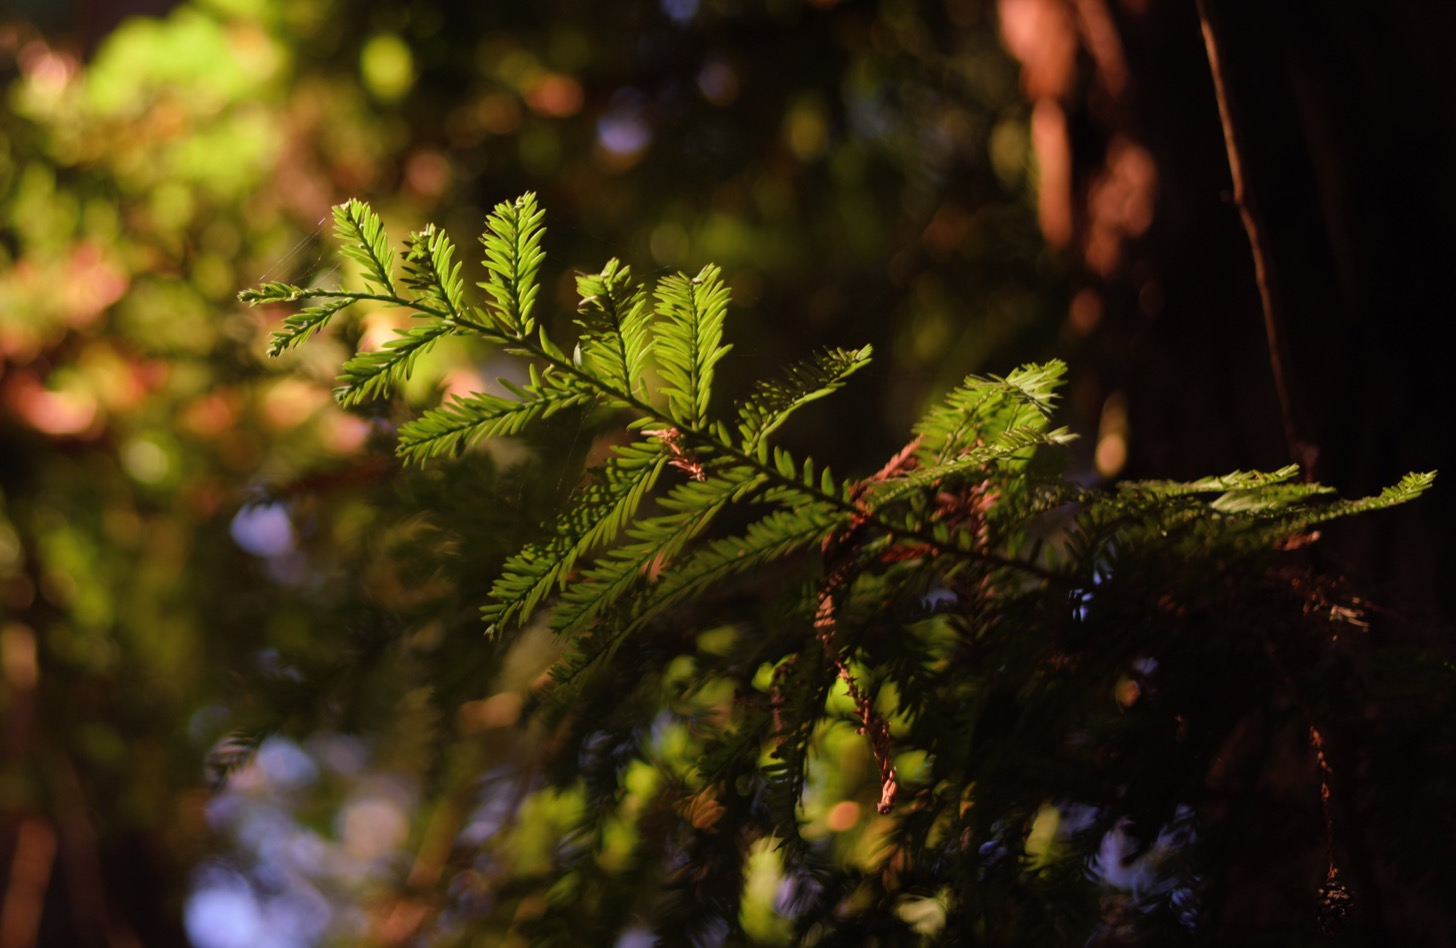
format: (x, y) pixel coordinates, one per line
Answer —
(1045, 696)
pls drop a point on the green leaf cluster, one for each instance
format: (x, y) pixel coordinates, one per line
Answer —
(958, 627)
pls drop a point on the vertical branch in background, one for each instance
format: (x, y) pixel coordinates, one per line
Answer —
(32, 838)
(871, 724)
(1335, 900)
(34, 856)
(1300, 451)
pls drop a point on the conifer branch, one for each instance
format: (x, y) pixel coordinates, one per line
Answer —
(597, 516)
(615, 324)
(362, 239)
(804, 382)
(690, 342)
(303, 324)
(443, 431)
(513, 256)
(433, 272)
(938, 591)
(375, 374)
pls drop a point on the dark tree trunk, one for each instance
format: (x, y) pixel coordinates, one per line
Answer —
(1346, 121)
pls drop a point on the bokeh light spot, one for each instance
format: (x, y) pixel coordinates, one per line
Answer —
(373, 827)
(1112, 436)
(680, 11)
(843, 816)
(555, 95)
(718, 82)
(223, 916)
(285, 765)
(387, 67)
(146, 461)
(806, 131)
(623, 133)
(264, 530)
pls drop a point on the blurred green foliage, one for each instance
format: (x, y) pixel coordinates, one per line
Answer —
(832, 159)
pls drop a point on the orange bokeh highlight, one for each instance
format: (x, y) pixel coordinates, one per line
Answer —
(555, 95)
(843, 816)
(1054, 164)
(1120, 204)
(66, 413)
(1043, 36)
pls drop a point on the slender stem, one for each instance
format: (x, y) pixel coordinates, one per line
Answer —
(872, 723)
(1300, 451)
(526, 341)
